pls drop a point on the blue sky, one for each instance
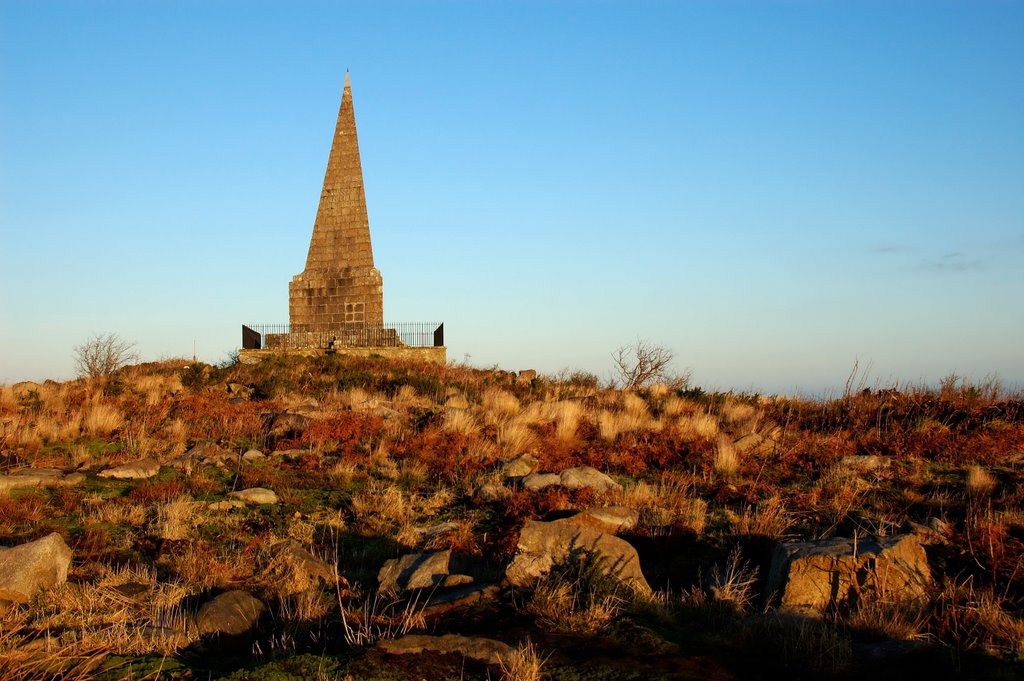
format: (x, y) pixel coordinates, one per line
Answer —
(771, 189)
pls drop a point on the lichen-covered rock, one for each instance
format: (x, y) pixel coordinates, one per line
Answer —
(255, 495)
(133, 470)
(485, 650)
(27, 568)
(587, 477)
(38, 477)
(538, 481)
(544, 544)
(291, 569)
(520, 466)
(232, 613)
(287, 423)
(441, 569)
(816, 575)
(612, 519)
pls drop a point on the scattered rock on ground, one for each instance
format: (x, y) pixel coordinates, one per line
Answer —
(253, 455)
(38, 477)
(863, 463)
(538, 481)
(225, 505)
(255, 495)
(428, 570)
(232, 613)
(286, 423)
(526, 375)
(543, 544)
(292, 569)
(133, 470)
(492, 491)
(815, 575)
(27, 568)
(585, 476)
(520, 466)
(485, 650)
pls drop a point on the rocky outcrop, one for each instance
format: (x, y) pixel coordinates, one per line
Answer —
(442, 569)
(233, 613)
(484, 650)
(544, 544)
(27, 568)
(133, 470)
(816, 575)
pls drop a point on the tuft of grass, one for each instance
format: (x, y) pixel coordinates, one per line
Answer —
(980, 481)
(101, 419)
(524, 664)
(727, 459)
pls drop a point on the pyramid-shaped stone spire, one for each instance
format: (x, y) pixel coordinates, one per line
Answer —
(342, 230)
(340, 285)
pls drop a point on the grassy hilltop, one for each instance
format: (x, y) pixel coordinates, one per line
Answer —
(373, 460)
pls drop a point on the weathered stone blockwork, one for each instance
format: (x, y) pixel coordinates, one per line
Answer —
(340, 286)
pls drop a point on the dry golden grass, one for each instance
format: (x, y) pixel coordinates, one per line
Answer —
(658, 390)
(176, 519)
(768, 519)
(156, 387)
(677, 406)
(732, 582)
(514, 438)
(499, 406)
(980, 481)
(524, 664)
(460, 421)
(897, 620)
(102, 418)
(727, 459)
(97, 615)
(664, 505)
(633, 417)
(738, 417)
(567, 415)
(697, 426)
(98, 509)
(59, 427)
(560, 606)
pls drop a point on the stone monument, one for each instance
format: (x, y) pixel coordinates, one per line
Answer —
(336, 304)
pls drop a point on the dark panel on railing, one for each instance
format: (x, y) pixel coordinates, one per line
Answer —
(439, 336)
(250, 338)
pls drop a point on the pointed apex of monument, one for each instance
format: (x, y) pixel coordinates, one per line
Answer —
(348, 83)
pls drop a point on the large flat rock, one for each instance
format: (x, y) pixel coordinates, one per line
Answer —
(817, 575)
(544, 544)
(27, 568)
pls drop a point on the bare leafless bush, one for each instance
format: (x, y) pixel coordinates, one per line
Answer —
(643, 363)
(103, 354)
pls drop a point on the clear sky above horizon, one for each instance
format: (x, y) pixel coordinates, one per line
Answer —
(771, 189)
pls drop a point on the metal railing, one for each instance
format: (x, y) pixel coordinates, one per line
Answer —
(286, 337)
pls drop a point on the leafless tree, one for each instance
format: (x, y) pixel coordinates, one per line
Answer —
(642, 363)
(103, 354)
